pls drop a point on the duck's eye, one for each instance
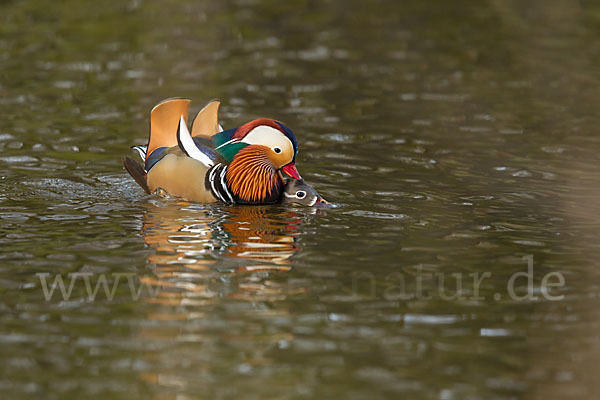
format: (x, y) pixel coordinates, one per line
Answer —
(277, 150)
(300, 194)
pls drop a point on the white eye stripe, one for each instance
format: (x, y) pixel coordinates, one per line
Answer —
(266, 135)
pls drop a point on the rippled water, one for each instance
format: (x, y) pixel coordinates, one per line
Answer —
(459, 139)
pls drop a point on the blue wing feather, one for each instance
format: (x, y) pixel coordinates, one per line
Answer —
(207, 148)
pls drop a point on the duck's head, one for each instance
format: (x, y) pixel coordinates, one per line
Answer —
(278, 140)
(300, 192)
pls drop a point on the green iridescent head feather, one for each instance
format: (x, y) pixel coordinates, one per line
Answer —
(227, 150)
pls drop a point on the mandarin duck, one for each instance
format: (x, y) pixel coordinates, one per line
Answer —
(244, 165)
(299, 192)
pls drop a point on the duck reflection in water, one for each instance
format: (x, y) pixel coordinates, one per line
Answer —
(202, 252)
(203, 256)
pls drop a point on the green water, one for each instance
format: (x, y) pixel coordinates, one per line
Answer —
(459, 141)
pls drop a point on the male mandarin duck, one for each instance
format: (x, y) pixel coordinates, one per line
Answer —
(236, 166)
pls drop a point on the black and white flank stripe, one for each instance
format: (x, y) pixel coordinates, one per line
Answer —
(216, 182)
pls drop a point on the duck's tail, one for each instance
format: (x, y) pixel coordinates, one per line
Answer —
(141, 150)
(164, 121)
(137, 172)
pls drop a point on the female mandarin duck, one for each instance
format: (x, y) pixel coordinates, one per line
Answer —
(297, 191)
(237, 166)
